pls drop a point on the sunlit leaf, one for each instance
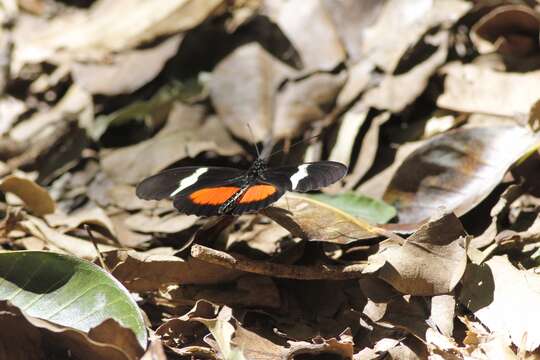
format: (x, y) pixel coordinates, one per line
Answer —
(67, 291)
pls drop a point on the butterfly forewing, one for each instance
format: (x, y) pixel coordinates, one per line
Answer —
(179, 181)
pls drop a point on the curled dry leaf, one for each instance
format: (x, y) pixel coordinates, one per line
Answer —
(76, 34)
(91, 216)
(478, 89)
(31, 337)
(247, 96)
(505, 300)
(60, 242)
(310, 219)
(116, 75)
(456, 170)
(139, 271)
(510, 30)
(35, 198)
(430, 262)
(131, 164)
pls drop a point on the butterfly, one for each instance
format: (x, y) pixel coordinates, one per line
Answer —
(211, 191)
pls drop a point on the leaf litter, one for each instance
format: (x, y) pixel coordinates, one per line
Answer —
(428, 248)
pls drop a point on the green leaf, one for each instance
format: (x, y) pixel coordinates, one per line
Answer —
(67, 290)
(363, 207)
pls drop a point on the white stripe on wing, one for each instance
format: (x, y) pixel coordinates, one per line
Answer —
(299, 175)
(188, 181)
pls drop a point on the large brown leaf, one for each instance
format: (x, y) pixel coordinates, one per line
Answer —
(491, 92)
(430, 262)
(307, 218)
(456, 170)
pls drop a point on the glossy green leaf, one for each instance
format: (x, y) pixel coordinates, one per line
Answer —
(363, 207)
(67, 290)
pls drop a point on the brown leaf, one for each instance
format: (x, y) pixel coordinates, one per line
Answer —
(301, 103)
(456, 170)
(430, 262)
(139, 271)
(510, 30)
(35, 198)
(170, 223)
(304, 21)
(503, 298)
(108, 26)
(116, 75)
(401, 23)
(32, 338)
(131, 164)
(389, 94)
(247, 96)
(491, 92)
(311, 219)
(91, 216)
(61, 242)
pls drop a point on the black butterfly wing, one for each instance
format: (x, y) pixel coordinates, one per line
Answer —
(307, 176)
(176, 182)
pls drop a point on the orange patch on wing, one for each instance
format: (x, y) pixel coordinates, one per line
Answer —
(257, 193)
(213, 196)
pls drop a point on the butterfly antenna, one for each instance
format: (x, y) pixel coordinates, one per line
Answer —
(294, 144)
(253, 140)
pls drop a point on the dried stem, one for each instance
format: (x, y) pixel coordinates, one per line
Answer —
(239, 262)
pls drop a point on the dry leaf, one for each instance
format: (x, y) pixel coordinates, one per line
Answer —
(170, 223)
(304, 21)
(116, 76)
(35, 198)
(110, 26)
(511, 30)
(311, 219)
(139, 271)
(478, 89)
(243, 88)
(430, 262)
(455, 171)
(504, 299)
(32, 338)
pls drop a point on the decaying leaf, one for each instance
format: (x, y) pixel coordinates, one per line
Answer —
(247, 96)
(30, 337)
(502, 297)
(317, 221)
(145, 272)
(491, 92)
(108, 27)
(430, 262)
(35, 198)
(511, 30)
(116, 76)
(456, 170)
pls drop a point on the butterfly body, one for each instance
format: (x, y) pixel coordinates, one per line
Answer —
(210, 191)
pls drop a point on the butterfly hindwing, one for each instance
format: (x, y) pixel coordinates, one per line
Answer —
(306, 177)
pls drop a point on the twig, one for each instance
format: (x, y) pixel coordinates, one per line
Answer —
(99, 255)
(302, 272)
